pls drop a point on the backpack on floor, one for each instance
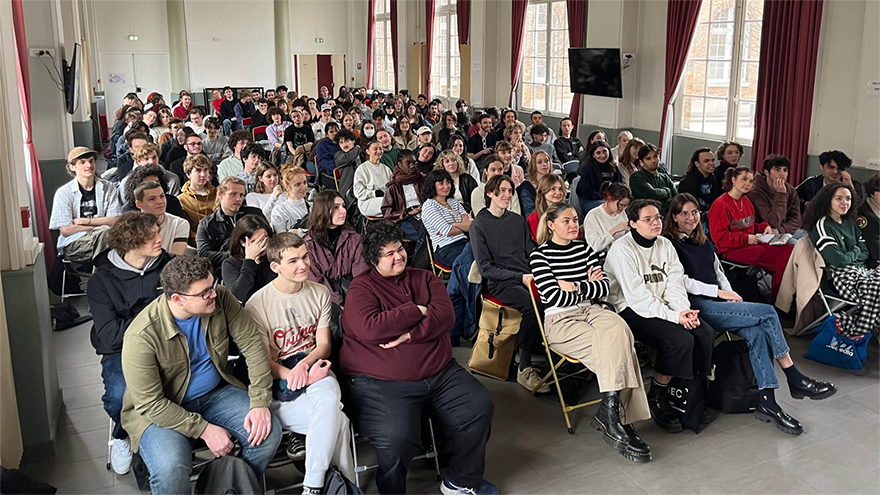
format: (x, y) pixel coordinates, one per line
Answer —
(335, 483)
(733, 387)
(496, 341)
(834, 349)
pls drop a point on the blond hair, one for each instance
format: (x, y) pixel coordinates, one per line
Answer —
(290, 173)
(224, 186)
(514, 126)
(197, 161)
(144, 151)
(450, 154)
(532, 172)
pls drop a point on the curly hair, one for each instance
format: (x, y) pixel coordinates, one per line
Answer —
(438, 165)
(137, 176)
(144, 151)
(197, 161)
(820, 205)
(239, 135)
(183, 271)
(131, 231)
(719, 152)
(843, 162)
(377, 237)
(515, 126)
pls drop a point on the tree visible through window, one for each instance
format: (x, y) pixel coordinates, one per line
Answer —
(446, 63)
(720, 82)
(544, 80)
(383, 62)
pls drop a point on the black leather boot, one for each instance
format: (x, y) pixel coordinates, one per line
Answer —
(637, 450)
(607, 420)
(661, 412)
(814, 389)
(780, 418)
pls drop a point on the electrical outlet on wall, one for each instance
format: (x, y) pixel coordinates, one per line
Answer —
(872, 163)
(41, 52)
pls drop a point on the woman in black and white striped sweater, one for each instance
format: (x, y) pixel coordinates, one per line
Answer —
(569, 277)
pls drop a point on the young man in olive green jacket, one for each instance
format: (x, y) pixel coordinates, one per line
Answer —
(174, 357)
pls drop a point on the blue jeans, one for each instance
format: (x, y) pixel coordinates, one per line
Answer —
(168, 453)
(310, 166)
(757, 323)
(114, 387)
(464, 294)
(447, 255)
(229, 126)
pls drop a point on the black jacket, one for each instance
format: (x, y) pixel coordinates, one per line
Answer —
(244, 277)
(116, 296)
(212, 236)
(466, 184)
(705, 189)
(567, 149)
(811, 186)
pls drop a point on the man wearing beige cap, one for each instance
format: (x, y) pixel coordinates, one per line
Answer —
(84, 209)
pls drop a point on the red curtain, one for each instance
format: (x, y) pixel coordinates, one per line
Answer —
(40, 215)
(577, 28)
(463, 16)
(429, 43)
(786, 77)
(518, 25)
(394, 44)
(681, 20)
(371, 27)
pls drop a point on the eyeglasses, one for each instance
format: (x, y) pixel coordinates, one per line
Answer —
(195, 144)
(205, 294)
(650, 220)
(694, 213)
(622, 206)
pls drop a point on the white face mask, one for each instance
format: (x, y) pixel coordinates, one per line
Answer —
(369, 132)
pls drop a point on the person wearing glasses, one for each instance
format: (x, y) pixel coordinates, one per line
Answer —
(193, 146)
(175, 392)
(648, 291)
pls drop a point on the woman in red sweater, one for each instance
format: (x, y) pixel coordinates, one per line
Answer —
(551, 189)
(734, 231)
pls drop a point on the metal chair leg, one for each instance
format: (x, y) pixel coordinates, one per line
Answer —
(434, 447)
(109, 435)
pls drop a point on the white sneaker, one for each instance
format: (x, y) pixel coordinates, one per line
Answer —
(530, 379)
(120, 456)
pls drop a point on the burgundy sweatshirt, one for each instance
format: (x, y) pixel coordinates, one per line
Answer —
(380, 309)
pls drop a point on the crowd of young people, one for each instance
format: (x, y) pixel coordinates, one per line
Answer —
(298, 278)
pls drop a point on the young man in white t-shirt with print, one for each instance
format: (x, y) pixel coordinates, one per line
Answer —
(295, 316)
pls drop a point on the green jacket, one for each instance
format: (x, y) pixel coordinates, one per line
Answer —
(155, 363)
(389, 158)
(646, 185)
(840, 244)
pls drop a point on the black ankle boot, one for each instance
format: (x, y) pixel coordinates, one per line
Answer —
(637, 450)
(661, 412)
(607, 420)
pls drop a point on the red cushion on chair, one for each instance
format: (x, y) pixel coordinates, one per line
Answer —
(442, 266)
(489, 297)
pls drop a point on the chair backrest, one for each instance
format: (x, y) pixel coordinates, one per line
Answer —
(246, 121)
(260, 130)
(573, 198)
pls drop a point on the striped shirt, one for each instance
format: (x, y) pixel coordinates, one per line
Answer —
(552, 262)
(438, 221)
(66, 206)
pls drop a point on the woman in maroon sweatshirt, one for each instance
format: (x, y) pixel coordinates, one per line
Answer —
(734, 230)
(397, 354)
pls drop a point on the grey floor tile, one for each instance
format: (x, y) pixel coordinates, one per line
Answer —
(78, 377)
(610, 481)
(829, 418)
(837, 465)
(76, 359)
(580, 455)
(73, 477)
(85, 396)
(868, 396)
(82, 420)
(513, 474)
(765, 478)
(82, 446)
(759, 442)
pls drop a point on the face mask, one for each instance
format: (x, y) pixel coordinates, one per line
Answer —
(369, 132)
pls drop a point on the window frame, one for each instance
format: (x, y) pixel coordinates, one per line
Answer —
(735, 84)
(448, 10)
(548, 63)
(384, 18)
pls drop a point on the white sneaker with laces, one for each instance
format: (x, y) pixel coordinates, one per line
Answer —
(529, 378)
(120, 456)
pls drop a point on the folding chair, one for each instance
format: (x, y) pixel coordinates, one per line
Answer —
(555, 365)
(246, 122)
(369, 220)
(439, 269)
(429, 453)
(838, 303)
(260, 131)
(70, 266)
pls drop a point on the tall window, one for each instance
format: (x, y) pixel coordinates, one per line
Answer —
(383, 62)
(720, 86)
(544, 79)
(446, 63)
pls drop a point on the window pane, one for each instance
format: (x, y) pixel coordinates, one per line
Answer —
(541, 44)
(721, 41)
(530, 17)
(540, 71)
(541, 16)
(456, 87)
(751, 41)
(695, 78)
(748, 89)
(559, 16)
(700, 43)
(380, 30)
(692, 114)
(528, 96)
(754, 10)
(716, 117)
(745, 128)
(557, 71)
(540, 97)
(529, 44)
(704, 11)
(528, 70)
(718, 79)
(559, 44)
(723, 10)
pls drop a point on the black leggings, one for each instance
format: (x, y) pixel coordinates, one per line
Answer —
(680, 351)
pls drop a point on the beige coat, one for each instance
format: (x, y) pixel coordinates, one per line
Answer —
(802, 278)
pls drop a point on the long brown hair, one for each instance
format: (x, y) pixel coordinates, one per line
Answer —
(321, 216)
(670, 227)
(552, 213)
(532, 172)
(546, 184)
(624, 157)
(732, 174)
(245, 227)
(262, 168)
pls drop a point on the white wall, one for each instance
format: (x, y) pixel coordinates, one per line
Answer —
(52, 131)
(230, 43)
(650, 65)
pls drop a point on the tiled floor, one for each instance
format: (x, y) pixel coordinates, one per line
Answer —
(531, 452)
